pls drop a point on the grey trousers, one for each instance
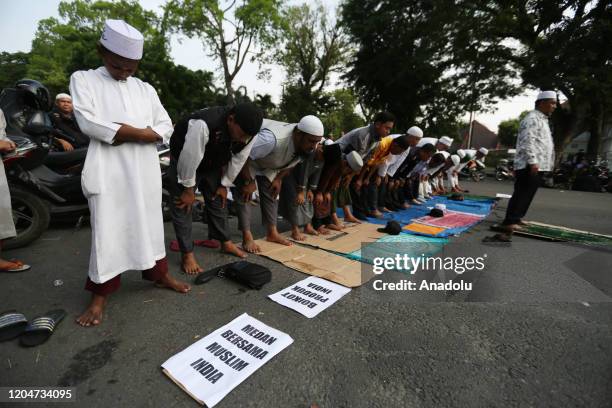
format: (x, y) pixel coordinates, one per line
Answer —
(216, 216)
(268, 205)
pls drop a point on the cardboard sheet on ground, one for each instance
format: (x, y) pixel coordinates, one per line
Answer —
(310, 296)
(346, 241)
(316, 262)
(213, 366)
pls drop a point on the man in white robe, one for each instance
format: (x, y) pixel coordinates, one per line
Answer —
(7, 228)
(121, 178)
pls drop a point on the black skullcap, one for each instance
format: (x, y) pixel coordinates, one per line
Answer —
(249, 117)
(402, 141)
(332, 153)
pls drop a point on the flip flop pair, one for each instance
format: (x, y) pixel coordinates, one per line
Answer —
(206, 243)
(21, 267)
(14, 324)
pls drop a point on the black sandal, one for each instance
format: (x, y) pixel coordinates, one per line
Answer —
(40, 329)
(12, 324)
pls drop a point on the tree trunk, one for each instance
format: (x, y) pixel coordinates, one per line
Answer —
(596, 129)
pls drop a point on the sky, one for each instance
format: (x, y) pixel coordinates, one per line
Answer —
(20, 19)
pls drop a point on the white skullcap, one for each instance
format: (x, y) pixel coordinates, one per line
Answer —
(484, 151)
(445, 154)
(122, 39)
(415, 131)
(328, 142)
(62, 96)
(441, 207)
(461, 153)
(547, 95)
(445, 140)
(455, 159)
(354, 161)
(311, 124)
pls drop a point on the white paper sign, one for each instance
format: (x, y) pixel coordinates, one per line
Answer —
(213, 366)
(310, 296)
(502, 195)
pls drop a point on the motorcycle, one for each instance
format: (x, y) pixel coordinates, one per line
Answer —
(43, 185)
(475, 172)
(504, 170)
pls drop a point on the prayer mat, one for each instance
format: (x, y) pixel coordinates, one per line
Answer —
(344, 242)
(451, 219)
(423, 229)
(559, 233)
(390, 245)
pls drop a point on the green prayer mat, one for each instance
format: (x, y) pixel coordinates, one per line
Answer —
(558, 233)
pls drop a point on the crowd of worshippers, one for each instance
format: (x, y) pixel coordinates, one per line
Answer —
(223, 150)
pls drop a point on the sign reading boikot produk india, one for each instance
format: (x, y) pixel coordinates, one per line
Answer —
(310, 296)
(213, 366)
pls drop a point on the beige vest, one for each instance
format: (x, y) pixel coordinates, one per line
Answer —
(283, 156)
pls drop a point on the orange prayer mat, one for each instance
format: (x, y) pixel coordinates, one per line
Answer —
(424, 229)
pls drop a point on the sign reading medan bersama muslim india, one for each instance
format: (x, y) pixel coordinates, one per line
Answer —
(213, 366)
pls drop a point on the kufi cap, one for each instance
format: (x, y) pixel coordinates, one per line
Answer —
(62, 96)
(461, 153)
(354, 161)
(249, 117)
(415, 131)
(312, 125)
(547, 95)
(445, 154)
(455, 159)
(122, 39)
(445, 140)
(484, 150)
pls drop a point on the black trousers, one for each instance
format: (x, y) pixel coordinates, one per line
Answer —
(215, 214)
(525, 187)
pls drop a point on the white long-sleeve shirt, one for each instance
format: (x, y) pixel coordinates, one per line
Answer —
(191, 156)
(534, 144)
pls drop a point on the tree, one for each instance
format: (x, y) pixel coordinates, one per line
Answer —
(13, 67)
(231, 31)
(508, 130)
(339, 115)
(62, 46)
(313, 48)
(424, 61)
(562, 45)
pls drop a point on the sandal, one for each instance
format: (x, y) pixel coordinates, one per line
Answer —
(40, 329)
(12, 324)
(21, 267)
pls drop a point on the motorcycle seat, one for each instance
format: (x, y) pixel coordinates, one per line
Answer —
(63, 159)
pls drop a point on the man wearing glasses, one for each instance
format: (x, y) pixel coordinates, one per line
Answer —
(208, 150)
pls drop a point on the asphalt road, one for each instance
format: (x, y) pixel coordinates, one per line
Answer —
(535, 331)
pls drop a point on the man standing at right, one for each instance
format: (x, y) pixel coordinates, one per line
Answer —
(535, 154)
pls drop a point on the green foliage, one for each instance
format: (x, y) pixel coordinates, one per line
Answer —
(63, 46)
(508, 130)
(424, 61)
(338, 114)
(13, 67)
(231, 31)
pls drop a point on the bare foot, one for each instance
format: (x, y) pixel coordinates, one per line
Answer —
(251, 247)
(92, 316)
(405, 205)
(334, 227)
(376, 214)
(308, 229)
(385, 209)
(8, 265)
(323, 231)
(351, 218)
(230, 248)
(170, 283)
(248, 243)
(295, 234)
(278, 238)
(189, 264)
